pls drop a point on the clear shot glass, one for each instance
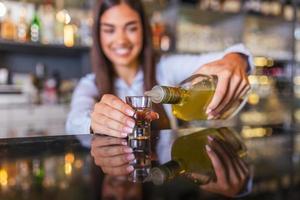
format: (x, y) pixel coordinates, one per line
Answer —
(142, 108)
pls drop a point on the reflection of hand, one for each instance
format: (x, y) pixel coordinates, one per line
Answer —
(112, 155)
(111, 116)
(232, 82)
(231, 172)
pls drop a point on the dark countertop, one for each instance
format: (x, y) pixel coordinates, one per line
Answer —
(61, 167)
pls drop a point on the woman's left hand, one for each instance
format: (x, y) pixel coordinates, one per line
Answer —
(232, 82)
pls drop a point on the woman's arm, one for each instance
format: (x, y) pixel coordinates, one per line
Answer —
(171, 70)
(83, 100)
(231, 68)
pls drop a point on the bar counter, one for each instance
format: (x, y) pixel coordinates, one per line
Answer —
(61, 167)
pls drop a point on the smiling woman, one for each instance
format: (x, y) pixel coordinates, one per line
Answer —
(124, 64)
(123, 50)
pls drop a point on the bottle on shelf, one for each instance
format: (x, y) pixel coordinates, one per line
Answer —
(85, 31)
(38, 81)
(35, 27)
(189, 157)
(51, 89)
(158, 29)
(48, 23)
(190, 100)
(8, 28)
(22, 27)
(69, 35)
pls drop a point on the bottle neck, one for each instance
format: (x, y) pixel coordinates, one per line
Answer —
(172, 95)
(161, 174)
(165, 95)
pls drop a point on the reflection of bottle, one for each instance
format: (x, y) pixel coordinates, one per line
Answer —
(191, 99)
(35, 28)
(38, 173)
(189, 157)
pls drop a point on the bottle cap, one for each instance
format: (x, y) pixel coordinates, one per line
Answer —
(157, 176)
(156, 94)
(164, 94)
(139, 175)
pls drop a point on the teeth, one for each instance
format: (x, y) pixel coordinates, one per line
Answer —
(122, 51)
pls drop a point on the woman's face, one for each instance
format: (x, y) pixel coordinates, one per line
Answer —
(121, 35)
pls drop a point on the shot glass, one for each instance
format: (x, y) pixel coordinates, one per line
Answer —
(139, 139)
(142, 108)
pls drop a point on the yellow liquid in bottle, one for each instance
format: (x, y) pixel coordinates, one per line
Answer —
(193, 104)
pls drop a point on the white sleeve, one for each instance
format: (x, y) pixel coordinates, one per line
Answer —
(171, 70)
(83, 100)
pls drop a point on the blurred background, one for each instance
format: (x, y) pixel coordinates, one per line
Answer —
(44, 50)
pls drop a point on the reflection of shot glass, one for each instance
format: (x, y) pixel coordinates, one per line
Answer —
(139, 139)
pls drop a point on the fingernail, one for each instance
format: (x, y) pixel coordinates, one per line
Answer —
(129, 168)
(157, 115)
(130, 112)
(131, 124)
(124, 134)
(127, 129)
(128, 150)
(208, 110)
(207, 147)
(210, 138)
(124, 143)
(130, 157)
(210, 117)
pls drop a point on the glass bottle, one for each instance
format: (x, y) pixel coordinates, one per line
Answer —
(8, 28)
(48, 22)
(38, 81)
(189, 157)
(190, 99)
(35, 28)
(22, 27)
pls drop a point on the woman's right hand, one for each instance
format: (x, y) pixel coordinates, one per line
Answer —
(112, 116)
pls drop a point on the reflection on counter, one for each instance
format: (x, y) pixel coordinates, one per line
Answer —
(29, 176)
(60, 168)
(257, 132)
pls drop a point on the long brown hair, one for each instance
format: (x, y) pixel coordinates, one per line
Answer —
(103, 68)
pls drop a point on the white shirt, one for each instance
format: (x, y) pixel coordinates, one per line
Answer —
(171, 70)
